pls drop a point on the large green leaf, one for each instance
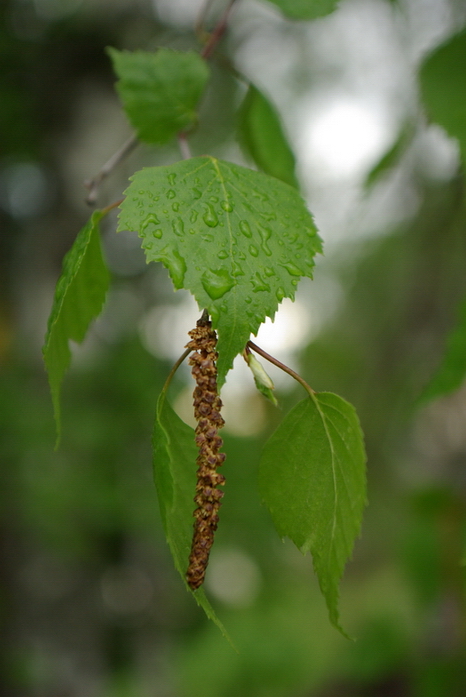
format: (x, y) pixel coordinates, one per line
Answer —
(261, 135)
(237, 239)
(160, 91)
(175, 456)
(312, 479)
(452, 370)
(79, 297)
(306, 9)
(443, 87)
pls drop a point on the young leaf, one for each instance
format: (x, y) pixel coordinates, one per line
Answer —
(175, 456)
(306, 9)
(262, 380)
(237, 239)
(312, 479)
(79, 297)
(261, 136)
(160, 91)
(452, 370)
(443, 87)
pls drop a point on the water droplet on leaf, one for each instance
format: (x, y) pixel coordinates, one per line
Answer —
(253, 251)
(150, 220)
(223, 254)
(210, 216)
(245, 228)
(176, 207)
(196, 193)
(171, 193)
(265, 234)
(227, 206)
(178, 227)
(193, 216)
(171, 178)
(292, 269)
(174, 262)
(280, 294)
(258, 283)
(217, 282)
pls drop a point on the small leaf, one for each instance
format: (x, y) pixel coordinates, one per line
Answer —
(452, 370)
(238, 240)
(305, 9)
(160, 91)
(175, 456)
(312, 479)
(79, 297)
(262, 380)
(443, 87)
(261, 136)
(391, 158)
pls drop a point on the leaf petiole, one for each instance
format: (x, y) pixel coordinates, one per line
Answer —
(174, 369)
(282, 366)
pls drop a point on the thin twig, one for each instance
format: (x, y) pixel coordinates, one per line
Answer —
(201, 18)
(113, 205)
(174, 369)
(93, 184)
(183, 144)
(280, 365)
(218, 32)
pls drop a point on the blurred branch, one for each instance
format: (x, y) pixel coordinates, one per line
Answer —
(93, 184)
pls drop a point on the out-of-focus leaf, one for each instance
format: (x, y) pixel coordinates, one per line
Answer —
(391, 158)
(261, 136)
(443, 87)
(175, 456)
(452, 370)
(305, 9)
(160, 91)
(312, 480)
(79, 297)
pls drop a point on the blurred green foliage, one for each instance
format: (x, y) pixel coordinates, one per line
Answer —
(89, 601)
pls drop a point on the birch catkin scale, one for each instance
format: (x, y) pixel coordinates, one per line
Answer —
(207, 405)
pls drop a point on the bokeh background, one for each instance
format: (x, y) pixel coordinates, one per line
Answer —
(90, 604)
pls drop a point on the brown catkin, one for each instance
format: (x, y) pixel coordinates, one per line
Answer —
(207, 406)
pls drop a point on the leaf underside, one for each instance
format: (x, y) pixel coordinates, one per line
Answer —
(443, 87)
(312, 479)
(238, 240)
(175, 456)
(261, 136)
(79, 296)
(160, 91)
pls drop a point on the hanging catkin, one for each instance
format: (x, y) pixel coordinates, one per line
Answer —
(207, 405)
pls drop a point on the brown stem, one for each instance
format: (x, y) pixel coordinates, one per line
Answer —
(93, 184)
(175, 368)
(113, 205)
(218, 31)
(282, 366)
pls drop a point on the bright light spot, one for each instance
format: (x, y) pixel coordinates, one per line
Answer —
(290, 329)
(24, 190)
(233, 577)
(164, 329)
(344, 139)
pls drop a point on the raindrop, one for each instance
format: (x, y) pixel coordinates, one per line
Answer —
(158, 234)
(210, 216)
(241, 256)
(223, 254)
(171, 193)
(248, 299)
(237, 270)
(192, 231)
(147, 244)
(245, 228)
(171, 178)
(217, 282)
(193, 216)
(258, 284)
(265, 234)
(176, 265)
(292, 269)
(141, 192)
(176, 207)
(196, 193)
(214, 199)
(207, 238)
(178, 227)
(280, 294)
(150, 220)
(253, 251)
(227, 206)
